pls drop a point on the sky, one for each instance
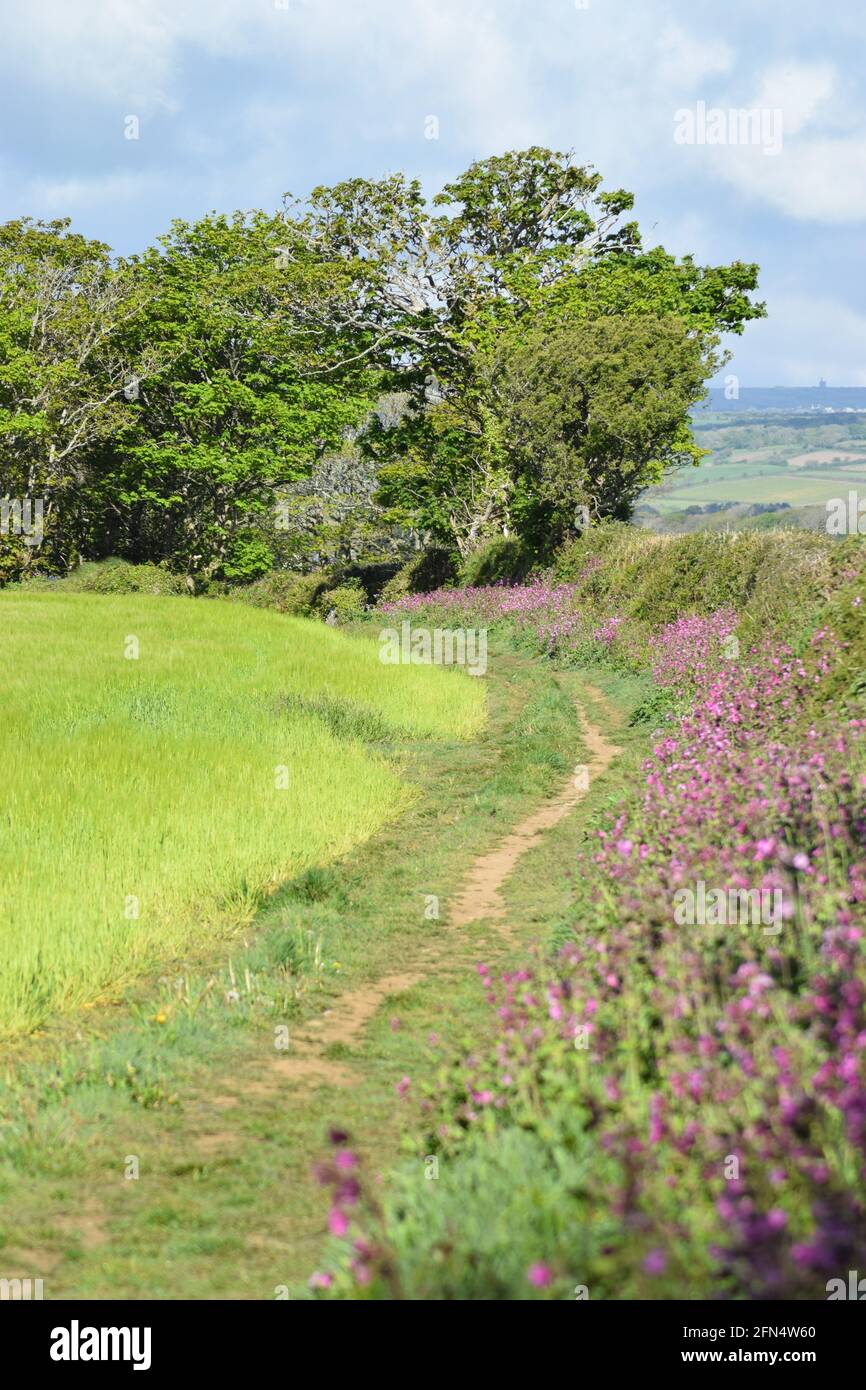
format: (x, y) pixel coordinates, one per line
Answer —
(236, 102)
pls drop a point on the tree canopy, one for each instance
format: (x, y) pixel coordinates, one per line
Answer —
(172, 406)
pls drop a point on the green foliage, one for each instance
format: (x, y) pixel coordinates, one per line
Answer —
(119, 577)
(712, 299)
(336, 383)
(346, 593)
(843, 614)
(509, 560)
(244, 403)
(330, 519)
(344, 604)
(64, 310)
(427, 570)
(595, 412)
(372, 576)
(770, 577)
(531, 246)
(475, 1231)
(248, 556)
(285, 592)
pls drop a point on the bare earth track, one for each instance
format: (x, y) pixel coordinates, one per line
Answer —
(480, 899)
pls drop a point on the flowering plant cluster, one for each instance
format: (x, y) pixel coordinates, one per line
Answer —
(354, 1213)
(718, 1071)
(540, 605)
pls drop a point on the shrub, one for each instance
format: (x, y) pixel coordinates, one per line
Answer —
(505, 560)
(315, 595)
(473, 1233)
(372, 576)
(428, 570)
(120, 577)
(771, 577)
(286, 592)
(344, 604)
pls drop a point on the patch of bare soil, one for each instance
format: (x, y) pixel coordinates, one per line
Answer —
(343, 1026)
(86, 1225)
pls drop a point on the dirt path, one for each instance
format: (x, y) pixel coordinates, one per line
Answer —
(306, 1062)
(481, 897)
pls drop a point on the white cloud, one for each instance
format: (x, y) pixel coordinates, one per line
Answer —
(107, 50)
(60, 196)
(805, 337)
(484, 68)
(799, 90)
(815, 180)
(819, 175)
(684, 61)
(460, 51)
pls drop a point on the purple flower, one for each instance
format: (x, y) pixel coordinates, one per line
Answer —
(539, 1276)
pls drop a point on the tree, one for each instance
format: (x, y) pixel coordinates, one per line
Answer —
(330, 518)
(594, 413)
(252, 389)
(163, 407)
(64, 365)
(528, 240)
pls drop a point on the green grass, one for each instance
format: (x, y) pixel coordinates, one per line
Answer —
(181, 1075)
(153, 801)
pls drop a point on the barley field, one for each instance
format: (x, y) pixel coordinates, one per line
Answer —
(166, 763)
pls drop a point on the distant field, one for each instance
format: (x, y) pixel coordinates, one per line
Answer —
(798, 489)
(151, 802)
(826, 456)
(758, 462)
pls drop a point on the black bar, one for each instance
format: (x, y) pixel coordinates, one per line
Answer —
(243, 1338)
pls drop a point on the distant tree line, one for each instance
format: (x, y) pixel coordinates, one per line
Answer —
(351, 376)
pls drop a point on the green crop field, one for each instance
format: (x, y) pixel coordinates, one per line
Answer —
(166, 763)
(760, 462)
(797, 488)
